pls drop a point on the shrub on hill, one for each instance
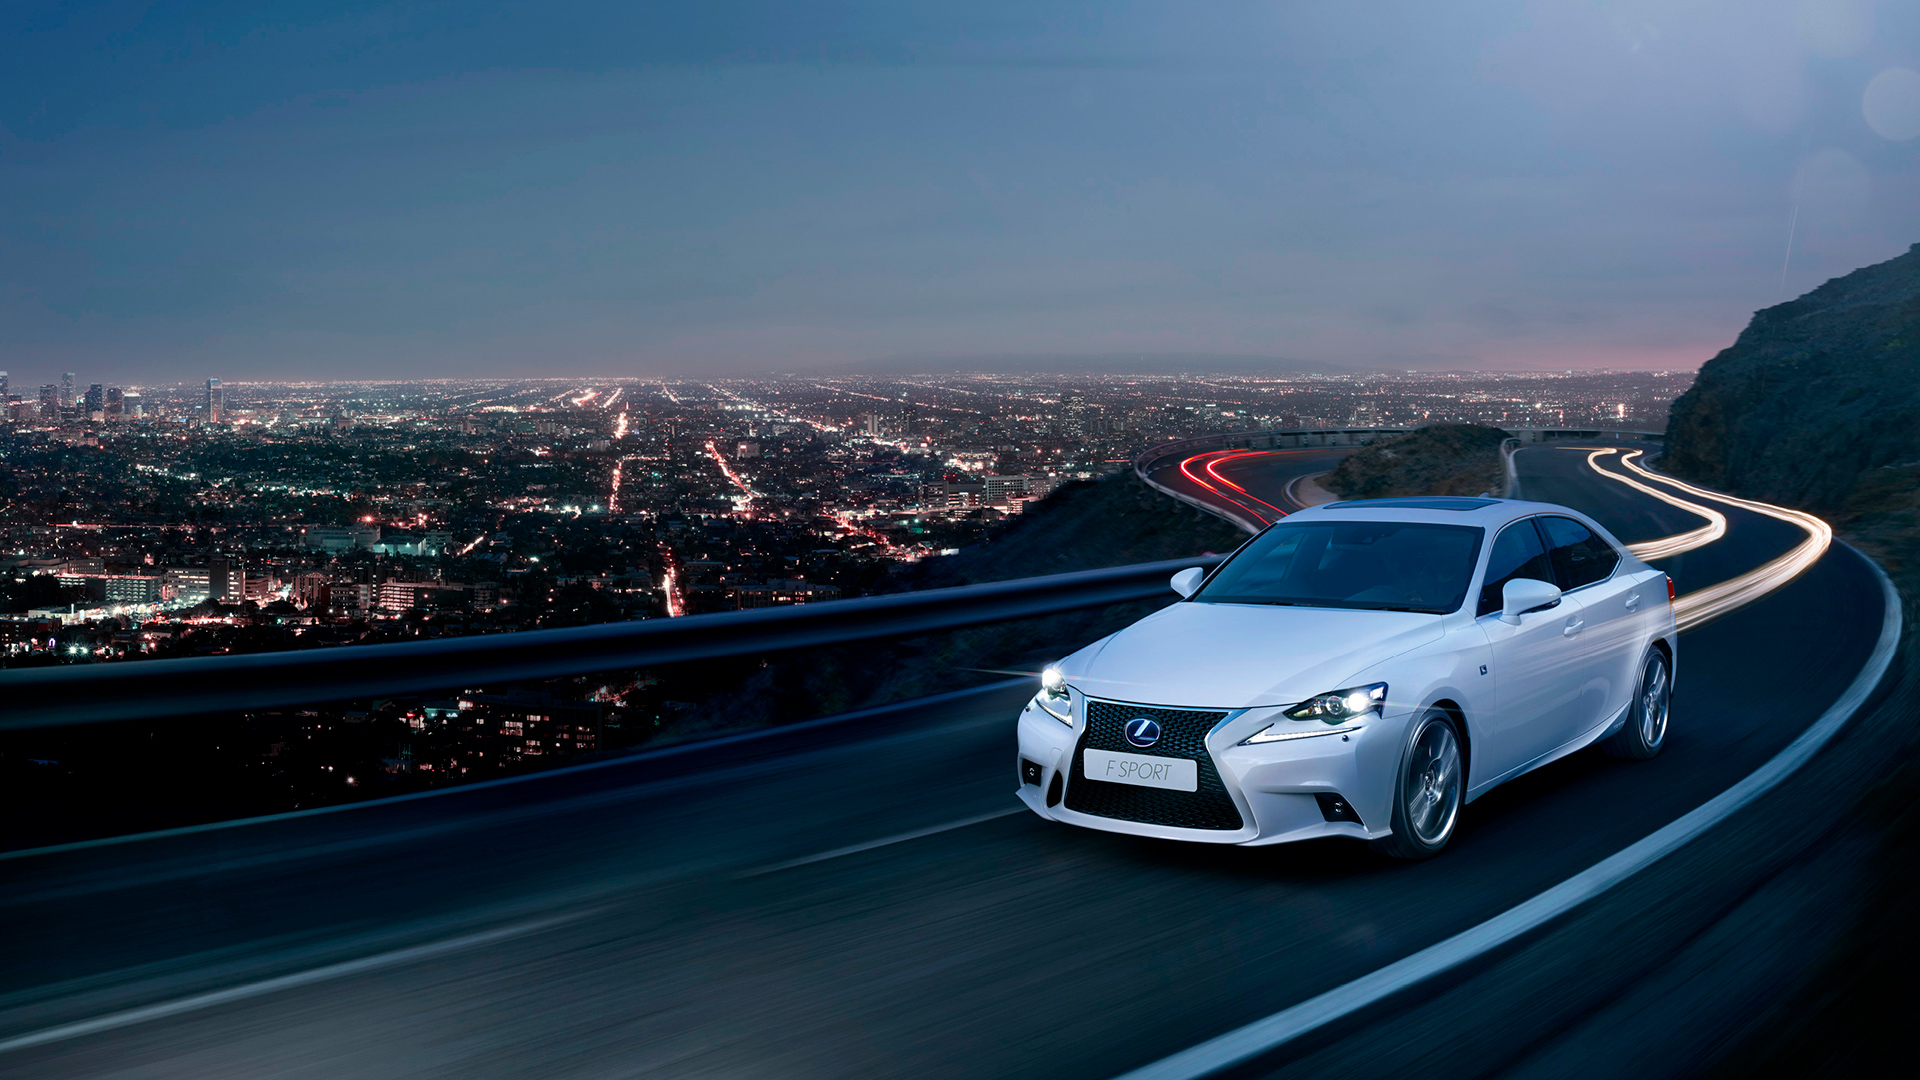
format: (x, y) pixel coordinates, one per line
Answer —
(1441, 459)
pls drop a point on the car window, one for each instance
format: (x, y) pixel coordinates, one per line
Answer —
(1580, 557)
(1389, 565)
(1517, 553)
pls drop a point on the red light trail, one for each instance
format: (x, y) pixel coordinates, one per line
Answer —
(671, 586)
(1225, 489)
(728, 469)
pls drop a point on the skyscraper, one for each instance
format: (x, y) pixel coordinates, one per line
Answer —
(116, 401)
(6, 387)
(66, 390)
(216, 401)
(49, 401)
(96, 401)
(131, 404)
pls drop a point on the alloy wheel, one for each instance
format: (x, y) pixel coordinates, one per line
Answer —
(1654, 701)
(1433, 783)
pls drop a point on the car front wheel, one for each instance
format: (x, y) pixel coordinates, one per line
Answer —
(1426, 804)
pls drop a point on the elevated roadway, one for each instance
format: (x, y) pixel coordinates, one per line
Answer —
(860, 898)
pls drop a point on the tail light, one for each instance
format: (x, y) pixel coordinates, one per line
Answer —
(1669, 588)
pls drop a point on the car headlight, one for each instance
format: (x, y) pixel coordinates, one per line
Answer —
(1054, 696)
(1340, 707)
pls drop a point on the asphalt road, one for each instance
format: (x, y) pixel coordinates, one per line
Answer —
(643, 919)
(1252, 485)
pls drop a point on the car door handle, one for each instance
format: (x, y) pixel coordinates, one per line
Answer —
(1573, 627)
(1633, 602)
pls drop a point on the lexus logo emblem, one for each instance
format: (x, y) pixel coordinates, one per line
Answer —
(1142, 731)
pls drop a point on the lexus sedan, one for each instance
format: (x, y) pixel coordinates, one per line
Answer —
(1360, 669)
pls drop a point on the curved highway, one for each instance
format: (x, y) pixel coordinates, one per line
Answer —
(857, 898)
(1248, 487)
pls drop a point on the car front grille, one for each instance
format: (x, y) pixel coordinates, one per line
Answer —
(1183, 734)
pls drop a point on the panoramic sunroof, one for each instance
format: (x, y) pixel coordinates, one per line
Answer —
(1440, 502)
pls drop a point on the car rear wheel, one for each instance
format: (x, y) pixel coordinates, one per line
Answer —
(1426, 804)
(1646, 728)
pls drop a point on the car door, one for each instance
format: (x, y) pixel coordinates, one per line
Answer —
(1537, 664)
(1585, 564)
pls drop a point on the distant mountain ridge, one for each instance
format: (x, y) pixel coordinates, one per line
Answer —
(1815, 393)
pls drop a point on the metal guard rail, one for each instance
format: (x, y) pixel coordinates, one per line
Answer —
(153, 689)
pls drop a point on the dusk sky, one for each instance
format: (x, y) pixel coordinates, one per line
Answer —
(380, 190)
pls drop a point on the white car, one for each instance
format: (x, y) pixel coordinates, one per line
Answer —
(1359, 669)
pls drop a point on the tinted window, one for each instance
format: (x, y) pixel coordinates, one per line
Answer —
(1579, 556)
(1517, 553)
(1389, 565)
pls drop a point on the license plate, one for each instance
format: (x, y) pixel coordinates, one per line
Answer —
(1173, 774)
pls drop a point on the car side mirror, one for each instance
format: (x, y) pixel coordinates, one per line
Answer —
(1522, 595)
(1187, 581)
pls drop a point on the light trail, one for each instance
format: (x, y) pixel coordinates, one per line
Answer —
(1213, 470)
(620, 427)
(613, 397)
(670, 584)
(667, 392)
(1703, 605)
(613, 489)
(580, 402)
(1219, 485)
(469, 548)
(727, 469)
(1666, 546)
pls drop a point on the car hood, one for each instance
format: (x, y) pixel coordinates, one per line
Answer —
(1239, 656)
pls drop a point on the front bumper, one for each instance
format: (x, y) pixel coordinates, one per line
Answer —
(1273, 785)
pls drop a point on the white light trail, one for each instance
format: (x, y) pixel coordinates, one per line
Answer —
(1666, 546)
(613, 397)
(1702, 605)
(620, 427)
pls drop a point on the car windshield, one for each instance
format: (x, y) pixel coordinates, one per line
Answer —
(1383, 565)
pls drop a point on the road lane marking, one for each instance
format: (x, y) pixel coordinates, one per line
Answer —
(1666, 546)
(1262, 1036)
(899, 838)
(298, 979)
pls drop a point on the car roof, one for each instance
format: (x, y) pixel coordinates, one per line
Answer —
(1488, 512)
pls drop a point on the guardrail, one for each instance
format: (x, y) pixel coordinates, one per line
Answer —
(154, 689)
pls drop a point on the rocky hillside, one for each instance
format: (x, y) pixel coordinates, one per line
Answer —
(1817, 404)
(1443, 459)
(1813, 396)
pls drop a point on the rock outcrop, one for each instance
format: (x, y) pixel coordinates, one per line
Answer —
(1814, 395)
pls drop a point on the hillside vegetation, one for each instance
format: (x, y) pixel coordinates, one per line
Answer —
(1814, 394)
(1817, 405)
(1442, 459)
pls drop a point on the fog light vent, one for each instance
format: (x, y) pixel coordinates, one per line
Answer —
(1030, 772)
(1335, 808)
(1053, 791)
